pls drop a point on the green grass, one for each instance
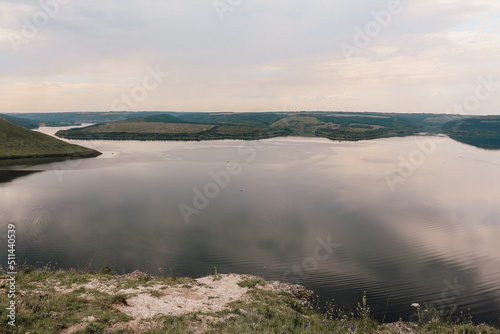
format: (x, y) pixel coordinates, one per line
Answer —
(17, 142)
(251, 283)
(43, 308)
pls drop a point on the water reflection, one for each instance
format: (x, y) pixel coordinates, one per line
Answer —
(11, 175)
(433, 239)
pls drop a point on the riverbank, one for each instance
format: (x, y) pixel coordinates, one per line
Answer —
(82, 301)
(21, 145)
(42, 159)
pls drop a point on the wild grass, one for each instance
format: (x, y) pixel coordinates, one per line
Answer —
(251, 283)
(49, 301)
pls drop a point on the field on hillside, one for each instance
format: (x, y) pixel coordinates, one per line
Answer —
(332, 125)
(150, 127)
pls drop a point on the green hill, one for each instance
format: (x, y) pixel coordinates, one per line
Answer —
(160, 118)
(481, 132)
(18, 142)
(72, 118)
(212, 126)
(27, 123)
(249, 119)
(147, 130)
(343, 126)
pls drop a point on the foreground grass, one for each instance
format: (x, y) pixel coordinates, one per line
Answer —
(42, 307)
(54, 301)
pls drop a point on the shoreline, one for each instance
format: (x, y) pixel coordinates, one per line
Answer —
(71, 301)
(33, 160)
(55, 155)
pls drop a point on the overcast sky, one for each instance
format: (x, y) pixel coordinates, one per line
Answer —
(439, 56)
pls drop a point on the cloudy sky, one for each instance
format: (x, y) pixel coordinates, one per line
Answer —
(439, 56)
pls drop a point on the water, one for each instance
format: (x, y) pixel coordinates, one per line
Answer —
(430, 234)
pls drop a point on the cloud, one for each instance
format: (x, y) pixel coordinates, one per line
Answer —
(260, 57)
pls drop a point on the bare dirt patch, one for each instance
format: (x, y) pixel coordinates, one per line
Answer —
(209, 295)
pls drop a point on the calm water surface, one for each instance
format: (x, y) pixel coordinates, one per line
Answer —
(432, 237)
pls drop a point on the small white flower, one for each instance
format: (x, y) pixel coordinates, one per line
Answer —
(416, 305)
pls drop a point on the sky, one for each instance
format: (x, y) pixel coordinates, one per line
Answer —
(439, 56)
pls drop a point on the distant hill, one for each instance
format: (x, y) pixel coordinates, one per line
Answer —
(27, 123)
(160, 118)
(18, 142)
(250, 119)
(164, 128)
(212, 126)
(77, 118)
(481, 132)
(344, 126)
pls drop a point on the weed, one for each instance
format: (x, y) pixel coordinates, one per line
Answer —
(119, 299)
(94, 328)
(155, 293)
(216, 276)
(251, 283)
(107, 270)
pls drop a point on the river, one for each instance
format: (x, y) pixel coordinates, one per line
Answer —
(412, 219)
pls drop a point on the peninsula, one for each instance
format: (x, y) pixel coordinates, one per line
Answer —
(18, 142)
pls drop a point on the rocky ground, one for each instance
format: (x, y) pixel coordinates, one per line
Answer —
(82, 302)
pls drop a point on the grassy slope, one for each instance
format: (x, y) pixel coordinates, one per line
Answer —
(49, 301)
(18, 142)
